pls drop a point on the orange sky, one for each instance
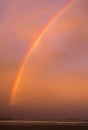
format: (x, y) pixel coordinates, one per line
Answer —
(55, 80)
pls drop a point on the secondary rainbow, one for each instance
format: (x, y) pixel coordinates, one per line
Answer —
(34, 44)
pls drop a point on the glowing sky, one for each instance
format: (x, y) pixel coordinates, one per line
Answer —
(54, 84)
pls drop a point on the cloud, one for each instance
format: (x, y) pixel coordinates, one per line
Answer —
(56, 72)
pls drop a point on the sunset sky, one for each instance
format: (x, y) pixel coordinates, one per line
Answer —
(54, 83)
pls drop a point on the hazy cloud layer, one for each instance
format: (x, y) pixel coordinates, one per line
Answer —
(56, 74)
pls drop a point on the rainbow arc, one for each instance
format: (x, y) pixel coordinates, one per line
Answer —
(34, 44)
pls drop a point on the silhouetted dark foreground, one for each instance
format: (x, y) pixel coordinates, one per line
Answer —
(43, 126)
(48, 127)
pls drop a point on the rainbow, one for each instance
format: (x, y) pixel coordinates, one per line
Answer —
(34, 44)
